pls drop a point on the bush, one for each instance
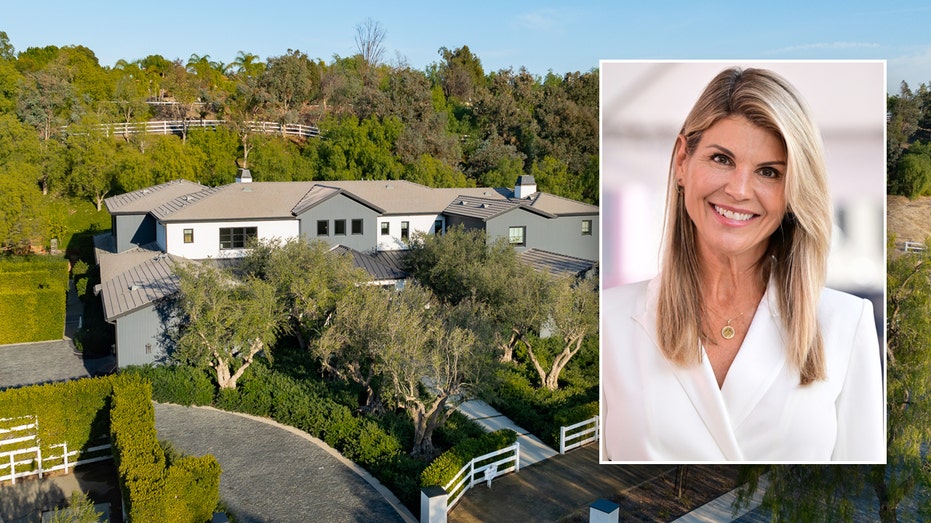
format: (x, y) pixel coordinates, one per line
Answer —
(179, 384)
(32, 299)
(156, 490)
(447, 465)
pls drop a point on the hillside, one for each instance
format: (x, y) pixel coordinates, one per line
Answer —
(908, 220)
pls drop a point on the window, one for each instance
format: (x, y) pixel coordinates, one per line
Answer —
(236, 237)
(323, 227)
(438, 227)
(405, 230)
(586, 227)
(339, 227)
(385, 229)
(188, 235)
(357, 226)
(148, 348)
(517, 236)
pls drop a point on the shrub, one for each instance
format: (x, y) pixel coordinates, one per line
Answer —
(32, 299)
(178, 384)
(448, 464)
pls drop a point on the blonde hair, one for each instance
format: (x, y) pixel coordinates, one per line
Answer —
(797, 250)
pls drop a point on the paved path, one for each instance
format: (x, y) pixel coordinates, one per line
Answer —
(532, 450)
(47, 361)
(276, 473)
(552, 489)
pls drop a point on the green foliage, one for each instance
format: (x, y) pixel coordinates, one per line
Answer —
(447, 465)
(80, 510)
(156, 489)
(32, 299)
(179, 384)
(74, 412)
(912, 176)
(539, 410)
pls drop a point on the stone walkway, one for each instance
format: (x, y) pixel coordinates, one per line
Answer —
(276, 473)
(47, 361)
(532, 449)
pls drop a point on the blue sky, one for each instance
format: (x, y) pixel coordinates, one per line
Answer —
(539, 35)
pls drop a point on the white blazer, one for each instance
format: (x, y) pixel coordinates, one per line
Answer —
(654, 410)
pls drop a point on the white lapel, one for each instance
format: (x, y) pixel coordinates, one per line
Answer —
(698, 382)
(759, 362)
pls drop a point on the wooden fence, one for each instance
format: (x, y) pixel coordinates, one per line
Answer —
(182, 126)
(482, 469)
(575, 436)
(21, 452)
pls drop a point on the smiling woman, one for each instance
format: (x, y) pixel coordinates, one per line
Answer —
(736, 351)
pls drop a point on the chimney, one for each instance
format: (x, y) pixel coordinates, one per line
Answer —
(525, 187)
(243, 176)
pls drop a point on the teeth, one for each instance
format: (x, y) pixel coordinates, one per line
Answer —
(738, 216)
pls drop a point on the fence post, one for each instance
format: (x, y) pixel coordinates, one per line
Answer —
(603, 511)
(562, 440)
(39, 456)
(12, 469)
(64, 447)
(433, 504)
(597, 428)
(517, 457)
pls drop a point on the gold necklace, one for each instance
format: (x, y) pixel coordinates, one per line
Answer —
(728, 332)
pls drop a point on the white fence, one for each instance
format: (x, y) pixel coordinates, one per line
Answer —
(181, 126)
(21, 453)
(914, 247)
(482, 469)
(575, 436)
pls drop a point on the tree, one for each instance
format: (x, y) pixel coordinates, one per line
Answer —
(370, 43)
(21, 214)
(829, 493)
(904, 113)
(289, 81)
(912, 176)
(308, 280)
(92, 163)
(574, 315)
(224, 322)
(460, 73)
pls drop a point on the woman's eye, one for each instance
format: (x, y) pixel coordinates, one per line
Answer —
(769, 172)
(721, 159)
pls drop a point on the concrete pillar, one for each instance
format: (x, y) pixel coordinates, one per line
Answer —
(433, 505)
(603, 511)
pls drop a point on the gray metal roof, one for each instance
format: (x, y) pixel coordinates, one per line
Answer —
(560, 206)
(140, 286)
(487, 208)
(556, 263)
(144, 200)
(380, 269)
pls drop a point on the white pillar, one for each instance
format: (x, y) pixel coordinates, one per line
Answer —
(433, 505)
(603, 511)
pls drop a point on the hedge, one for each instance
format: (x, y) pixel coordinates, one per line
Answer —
(179, 384)
(74, 412)
(445, 467)
(187, 490)
(32, 299)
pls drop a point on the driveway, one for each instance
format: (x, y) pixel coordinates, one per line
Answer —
(276, 473)
(44, 362)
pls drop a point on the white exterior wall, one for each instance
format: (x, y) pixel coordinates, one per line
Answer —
(207, 237)
(418, 223)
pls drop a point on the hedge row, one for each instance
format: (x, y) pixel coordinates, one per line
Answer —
(74, 412)
(156, 490)
(32, 299)
(445, 467)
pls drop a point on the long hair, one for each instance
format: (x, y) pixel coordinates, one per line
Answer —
(798, 249)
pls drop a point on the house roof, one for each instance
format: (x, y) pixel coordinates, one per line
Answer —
(488, 208)
(144, 200)
(556, 263)
(320, 193)
(379, 268)
(187, 201)
(140, 286)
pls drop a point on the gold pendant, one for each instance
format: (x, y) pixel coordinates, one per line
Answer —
(728, 332)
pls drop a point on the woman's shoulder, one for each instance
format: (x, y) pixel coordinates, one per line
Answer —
(625, 296)
(836, 303)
